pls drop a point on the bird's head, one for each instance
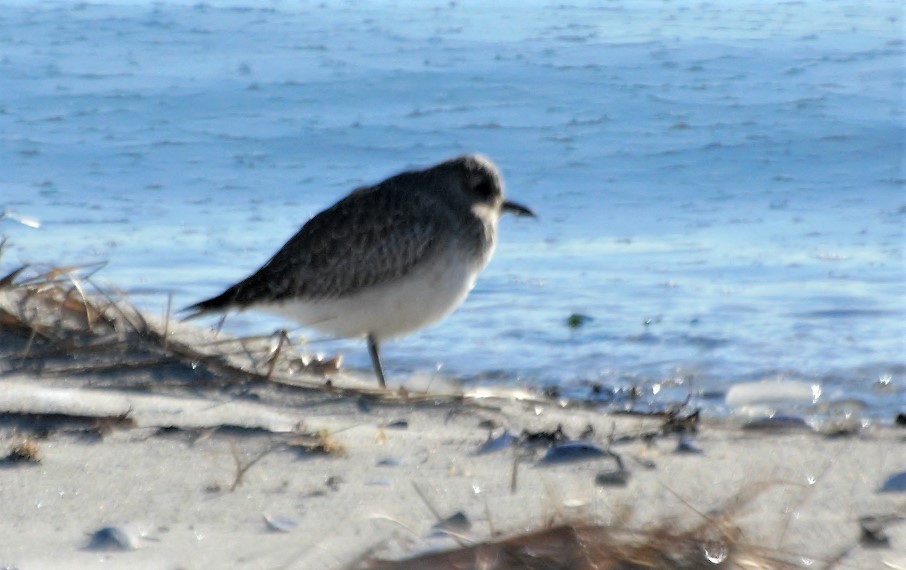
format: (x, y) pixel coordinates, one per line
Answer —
(482, 184)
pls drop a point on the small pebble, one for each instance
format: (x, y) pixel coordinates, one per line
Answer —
(779, 422)
(570, 451)
(687, 445)
(502, 441)
(280, 523)
(873, 535)
(613, 478)
(455, 524)
(114, 538)
(333, 482)
(364, 404)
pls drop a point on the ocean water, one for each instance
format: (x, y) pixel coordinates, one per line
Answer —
(720, 186)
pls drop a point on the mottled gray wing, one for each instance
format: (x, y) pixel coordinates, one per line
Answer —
(374, 235)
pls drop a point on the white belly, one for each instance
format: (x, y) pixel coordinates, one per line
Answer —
(392, 309)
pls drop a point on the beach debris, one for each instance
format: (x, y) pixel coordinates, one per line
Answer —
(872, 532)
(67, 326)
(577, 320)
(688, 446)
(714, 540)
(242, 467)
(571, 451)
(674, 420)
(896, 483)
(26, 451)
(494, 444)
(617, 477)
(389, 462)
(333, 482)
(41, 422)
(280, 523)
(582, 547)
(677, 422)
(457, 523)
(612, 478)
(8, 281)
(779, 391)
(544, 437)
(317, 443)
(397, 424)
(113, 538)
(365, 403)
(318, 365)
(778, 422)
(489, 424)
(23, 219)
(106, 425)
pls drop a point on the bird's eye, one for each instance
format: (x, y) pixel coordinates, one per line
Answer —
(484, 188)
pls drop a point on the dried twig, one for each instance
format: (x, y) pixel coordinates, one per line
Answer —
(242, 468)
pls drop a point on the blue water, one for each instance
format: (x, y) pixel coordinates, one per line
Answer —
(720, 185)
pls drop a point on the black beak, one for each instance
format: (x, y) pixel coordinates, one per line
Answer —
(517, 209)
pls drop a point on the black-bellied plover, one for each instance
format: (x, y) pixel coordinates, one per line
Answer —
(385, 260)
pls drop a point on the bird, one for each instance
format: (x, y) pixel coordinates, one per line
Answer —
(385, 260)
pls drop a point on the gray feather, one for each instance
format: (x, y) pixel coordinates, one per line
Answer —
(374, 235)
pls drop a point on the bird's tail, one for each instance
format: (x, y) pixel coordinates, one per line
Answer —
(218, 304)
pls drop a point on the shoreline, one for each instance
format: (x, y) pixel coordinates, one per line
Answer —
(379, 488)
(138, 443)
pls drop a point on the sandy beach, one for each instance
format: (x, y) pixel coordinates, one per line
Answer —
(172, 487)
(719, 189)
(178, 465)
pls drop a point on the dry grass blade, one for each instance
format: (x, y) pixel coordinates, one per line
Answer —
(26, 451)
(8, 280)
(666, 544)
(15, 323)
(54, 273)
(167, 319)
(594, 547)
(126, 315)
(91, 313)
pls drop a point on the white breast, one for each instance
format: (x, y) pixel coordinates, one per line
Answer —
(395, 308)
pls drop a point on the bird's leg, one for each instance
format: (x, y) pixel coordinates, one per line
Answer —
(376, 360)
(275, 353)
